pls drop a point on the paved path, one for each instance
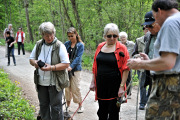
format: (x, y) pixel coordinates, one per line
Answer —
(23, 73)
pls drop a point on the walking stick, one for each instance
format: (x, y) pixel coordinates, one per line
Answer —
(80, 105)
(138, 94)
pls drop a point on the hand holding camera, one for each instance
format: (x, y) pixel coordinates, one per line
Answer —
(40, 64)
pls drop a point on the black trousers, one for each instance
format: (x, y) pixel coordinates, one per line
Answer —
(21, 45)
(108, 110)
(128, 82)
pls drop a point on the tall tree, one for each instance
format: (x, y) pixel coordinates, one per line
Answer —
(74, 5)
(28, 22)
(66, 14)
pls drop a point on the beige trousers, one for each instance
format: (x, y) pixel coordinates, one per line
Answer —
(73, 91)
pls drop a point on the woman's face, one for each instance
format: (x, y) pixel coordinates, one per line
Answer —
(72, 37)
(123, 39)
(48, 37)
(111, 38)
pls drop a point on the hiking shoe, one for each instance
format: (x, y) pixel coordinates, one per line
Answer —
(80, 110)
(141, 107)
(67, 109)
(128, 96)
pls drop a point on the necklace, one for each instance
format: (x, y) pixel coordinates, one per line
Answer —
(108, 46)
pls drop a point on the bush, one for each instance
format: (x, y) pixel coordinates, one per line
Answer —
(13, 106)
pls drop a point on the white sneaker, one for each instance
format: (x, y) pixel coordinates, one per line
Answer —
(80, 110)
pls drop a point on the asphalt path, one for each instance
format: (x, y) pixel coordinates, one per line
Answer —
(23, 73)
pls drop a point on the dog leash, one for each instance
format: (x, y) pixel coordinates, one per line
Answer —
(80, 105)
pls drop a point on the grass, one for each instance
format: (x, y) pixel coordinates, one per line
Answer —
(12, 105)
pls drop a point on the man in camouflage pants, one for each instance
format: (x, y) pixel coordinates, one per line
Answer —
(164, 100)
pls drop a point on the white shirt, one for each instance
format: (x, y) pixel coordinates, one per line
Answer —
(45, 56)
(19, 37)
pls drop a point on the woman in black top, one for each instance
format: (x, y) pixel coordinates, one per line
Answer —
(109, 73)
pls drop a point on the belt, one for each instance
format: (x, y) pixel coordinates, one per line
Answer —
(154, 76)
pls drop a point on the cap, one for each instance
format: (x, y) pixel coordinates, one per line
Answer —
(149, 19)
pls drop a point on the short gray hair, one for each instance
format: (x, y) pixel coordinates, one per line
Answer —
(123, 34)
(47, 27)
(9, 25)
(111, 27)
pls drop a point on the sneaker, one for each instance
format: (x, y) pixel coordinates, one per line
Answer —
(14, 64)
(128, 96)
(80, 110)
(8, 64)
(141, 107)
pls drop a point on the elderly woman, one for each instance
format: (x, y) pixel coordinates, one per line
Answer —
(50, 59)
(109, 73)
(130, 46)
(75, 48)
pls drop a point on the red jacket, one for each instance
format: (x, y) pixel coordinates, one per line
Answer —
(22, 38)
(121, 61)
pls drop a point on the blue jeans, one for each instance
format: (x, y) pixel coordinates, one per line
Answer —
(143, 97)
(50, 103)
(11, 50)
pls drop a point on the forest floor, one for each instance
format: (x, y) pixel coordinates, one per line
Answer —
(23, 73)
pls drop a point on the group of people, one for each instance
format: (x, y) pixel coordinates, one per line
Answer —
(10, 41)
(155, 55)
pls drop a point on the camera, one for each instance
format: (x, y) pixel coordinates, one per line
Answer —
(40, 64)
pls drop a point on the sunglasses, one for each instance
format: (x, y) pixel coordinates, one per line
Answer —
(150, 26)
(70, 36)
(114, 36)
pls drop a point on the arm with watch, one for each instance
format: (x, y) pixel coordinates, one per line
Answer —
(123, 82)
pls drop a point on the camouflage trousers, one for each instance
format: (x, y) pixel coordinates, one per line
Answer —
(164, 100)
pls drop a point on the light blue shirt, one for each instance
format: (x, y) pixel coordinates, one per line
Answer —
(168, 40)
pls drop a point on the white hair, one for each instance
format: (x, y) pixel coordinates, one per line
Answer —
(123, 34)
(111, 27)
(47, 27)
(9, 25)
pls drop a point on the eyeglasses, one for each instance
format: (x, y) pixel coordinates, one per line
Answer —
(70, 36)
(114, 36)
(150, 26)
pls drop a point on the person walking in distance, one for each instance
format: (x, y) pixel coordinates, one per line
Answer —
(10, 42)
(20, 38)
(10, 29)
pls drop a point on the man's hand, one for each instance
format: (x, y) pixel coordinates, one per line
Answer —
(134, 63)
(144, 56)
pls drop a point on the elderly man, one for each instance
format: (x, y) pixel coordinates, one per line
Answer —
(164, 100)
(10, 29)
(130, 46)
(149, 39)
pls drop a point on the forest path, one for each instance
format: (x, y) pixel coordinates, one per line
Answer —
(23, 73)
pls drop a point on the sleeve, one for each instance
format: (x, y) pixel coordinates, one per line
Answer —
(79, 54)
(170, 42)
(33, 53)
(126, 57)
(24, 35)
(63, 54)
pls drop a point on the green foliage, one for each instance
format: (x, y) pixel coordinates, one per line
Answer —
(87, 61)
(13, 106)
(2, 42)
(135, 78)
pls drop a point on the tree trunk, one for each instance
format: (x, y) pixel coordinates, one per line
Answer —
(62, 21)
(28, 23)
(10, 10)
(66, 14)
(77, 18)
